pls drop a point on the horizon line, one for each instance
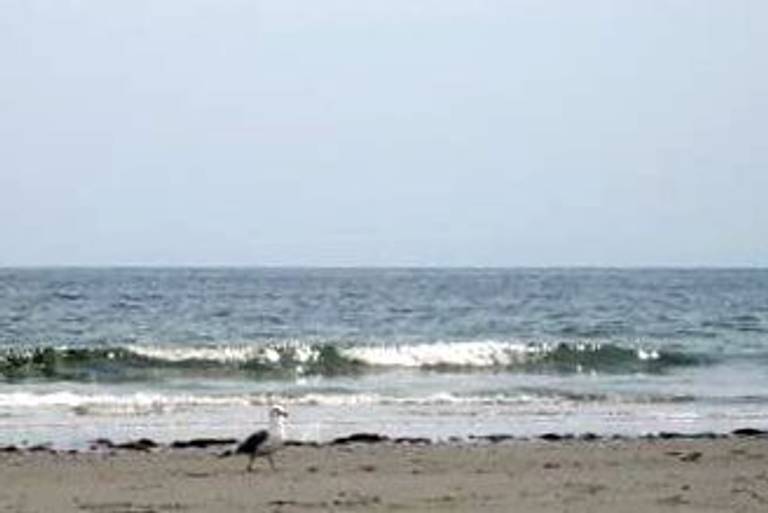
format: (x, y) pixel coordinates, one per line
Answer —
(193, 266)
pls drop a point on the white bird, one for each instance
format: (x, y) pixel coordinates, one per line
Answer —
(266, 441)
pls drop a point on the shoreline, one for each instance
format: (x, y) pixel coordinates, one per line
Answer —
(727, 473)
(146, 444)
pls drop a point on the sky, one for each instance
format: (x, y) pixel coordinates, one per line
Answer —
(395, 133)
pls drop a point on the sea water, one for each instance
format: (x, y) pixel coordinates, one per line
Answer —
(181, 353)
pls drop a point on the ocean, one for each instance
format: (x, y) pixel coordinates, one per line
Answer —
(172, 354)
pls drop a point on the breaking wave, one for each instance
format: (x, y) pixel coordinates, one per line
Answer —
(145, 362)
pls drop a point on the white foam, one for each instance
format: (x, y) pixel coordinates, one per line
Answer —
(459, 354)
(139, 400)
(158, 403)
(647, 355)
(224, 353)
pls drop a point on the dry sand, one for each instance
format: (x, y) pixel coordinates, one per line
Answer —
(534, 476)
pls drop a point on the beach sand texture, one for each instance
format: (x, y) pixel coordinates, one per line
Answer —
(527, 476)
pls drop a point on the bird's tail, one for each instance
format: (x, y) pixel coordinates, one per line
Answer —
(227, 453)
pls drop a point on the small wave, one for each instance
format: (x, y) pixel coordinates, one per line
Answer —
(290, 359)
(111, 404)
(159, 403)
(156, 403)
(68, 295)
(142, 402)
(604, 397)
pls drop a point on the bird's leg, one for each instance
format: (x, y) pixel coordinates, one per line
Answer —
(250, 463)
(271, 462)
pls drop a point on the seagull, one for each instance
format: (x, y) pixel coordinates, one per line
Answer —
(266, 441)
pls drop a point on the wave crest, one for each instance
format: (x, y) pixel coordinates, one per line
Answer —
(289, 359)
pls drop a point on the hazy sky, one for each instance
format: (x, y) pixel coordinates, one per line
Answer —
(396, 132)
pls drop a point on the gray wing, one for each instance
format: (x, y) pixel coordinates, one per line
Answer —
(253, 442)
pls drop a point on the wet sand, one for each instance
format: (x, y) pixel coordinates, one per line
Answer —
(728, 474)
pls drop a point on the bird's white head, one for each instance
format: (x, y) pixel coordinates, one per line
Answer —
(277, 416)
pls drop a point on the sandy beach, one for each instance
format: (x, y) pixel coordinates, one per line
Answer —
(637, 475)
